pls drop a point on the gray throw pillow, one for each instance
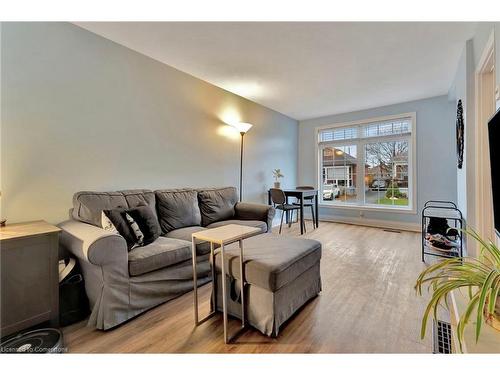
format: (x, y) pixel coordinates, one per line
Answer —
(217, 204)
(177, 209)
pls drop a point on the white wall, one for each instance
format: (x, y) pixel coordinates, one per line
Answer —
(463, 87)
(436, 158)
(80, 112)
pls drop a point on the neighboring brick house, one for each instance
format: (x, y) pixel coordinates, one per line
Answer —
(339, 168)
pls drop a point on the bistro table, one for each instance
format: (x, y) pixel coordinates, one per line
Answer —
(300, 194)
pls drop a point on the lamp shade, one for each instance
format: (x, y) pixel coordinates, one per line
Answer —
(243, 127)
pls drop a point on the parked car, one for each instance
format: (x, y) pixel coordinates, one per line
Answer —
(330, 192)
(379, 185)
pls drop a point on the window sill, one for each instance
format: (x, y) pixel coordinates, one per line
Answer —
(406, 210)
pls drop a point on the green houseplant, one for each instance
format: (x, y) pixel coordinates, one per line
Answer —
(480, 276)
(277, 175)
(393, 191)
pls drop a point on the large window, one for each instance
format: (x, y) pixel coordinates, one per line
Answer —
(368, 164)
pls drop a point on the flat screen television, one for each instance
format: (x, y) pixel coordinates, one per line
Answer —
(494, 140)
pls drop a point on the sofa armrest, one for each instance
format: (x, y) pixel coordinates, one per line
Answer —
(255, 211)
(93, 244)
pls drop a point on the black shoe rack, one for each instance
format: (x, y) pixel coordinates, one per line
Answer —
(449, 211)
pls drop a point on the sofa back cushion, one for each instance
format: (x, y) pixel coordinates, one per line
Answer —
(140, 197)
(217, 204)
(177, 208)
(88, 205)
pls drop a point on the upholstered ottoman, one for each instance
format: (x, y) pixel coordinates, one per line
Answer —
(282, 274)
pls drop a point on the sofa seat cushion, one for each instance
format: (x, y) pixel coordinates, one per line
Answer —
(250, 223)
(271, 261)
(161, 253)
(202, 247)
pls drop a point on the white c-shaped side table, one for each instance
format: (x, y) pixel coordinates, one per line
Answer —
(221, 236)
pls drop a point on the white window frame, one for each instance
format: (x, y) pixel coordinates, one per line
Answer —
(360, 142)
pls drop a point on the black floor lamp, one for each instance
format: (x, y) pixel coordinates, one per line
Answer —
(242, 127)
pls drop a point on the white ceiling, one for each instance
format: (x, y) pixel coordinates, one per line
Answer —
(305, 70)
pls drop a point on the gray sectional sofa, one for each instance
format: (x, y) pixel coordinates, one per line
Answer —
(122, 284)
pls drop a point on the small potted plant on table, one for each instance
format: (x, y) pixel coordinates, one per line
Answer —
(277, 175)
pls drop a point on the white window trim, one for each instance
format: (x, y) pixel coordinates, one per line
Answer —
(412, 162)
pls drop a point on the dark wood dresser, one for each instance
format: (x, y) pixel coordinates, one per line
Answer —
(29, 275)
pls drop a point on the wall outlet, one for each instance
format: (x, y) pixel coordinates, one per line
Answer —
(361, 214)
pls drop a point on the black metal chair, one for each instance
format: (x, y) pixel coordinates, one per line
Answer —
(278, 199)
(309, 202)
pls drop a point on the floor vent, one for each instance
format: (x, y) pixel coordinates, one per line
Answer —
(392, 230)
(442, 337)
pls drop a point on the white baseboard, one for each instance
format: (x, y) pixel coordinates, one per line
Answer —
(398, 225)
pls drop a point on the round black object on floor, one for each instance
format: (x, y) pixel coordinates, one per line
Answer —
(47, 340)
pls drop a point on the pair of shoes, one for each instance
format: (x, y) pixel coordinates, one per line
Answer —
(439, 246)
(439, 225)
(439, 238)
(452, 233)
(441, 243)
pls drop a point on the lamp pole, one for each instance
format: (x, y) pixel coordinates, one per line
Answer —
(242, 128)
(241, 165)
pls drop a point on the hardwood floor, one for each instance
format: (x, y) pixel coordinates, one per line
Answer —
(368, 305)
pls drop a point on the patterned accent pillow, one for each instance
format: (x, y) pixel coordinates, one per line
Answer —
(107, 224)
(147, 221)
(118, 217)
(139, 236)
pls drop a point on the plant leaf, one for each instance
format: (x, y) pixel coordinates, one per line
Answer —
(482, 299)
(445, 276)
(495, 289)
(464, 319)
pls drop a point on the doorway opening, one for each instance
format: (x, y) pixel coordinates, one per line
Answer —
(485, 108)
